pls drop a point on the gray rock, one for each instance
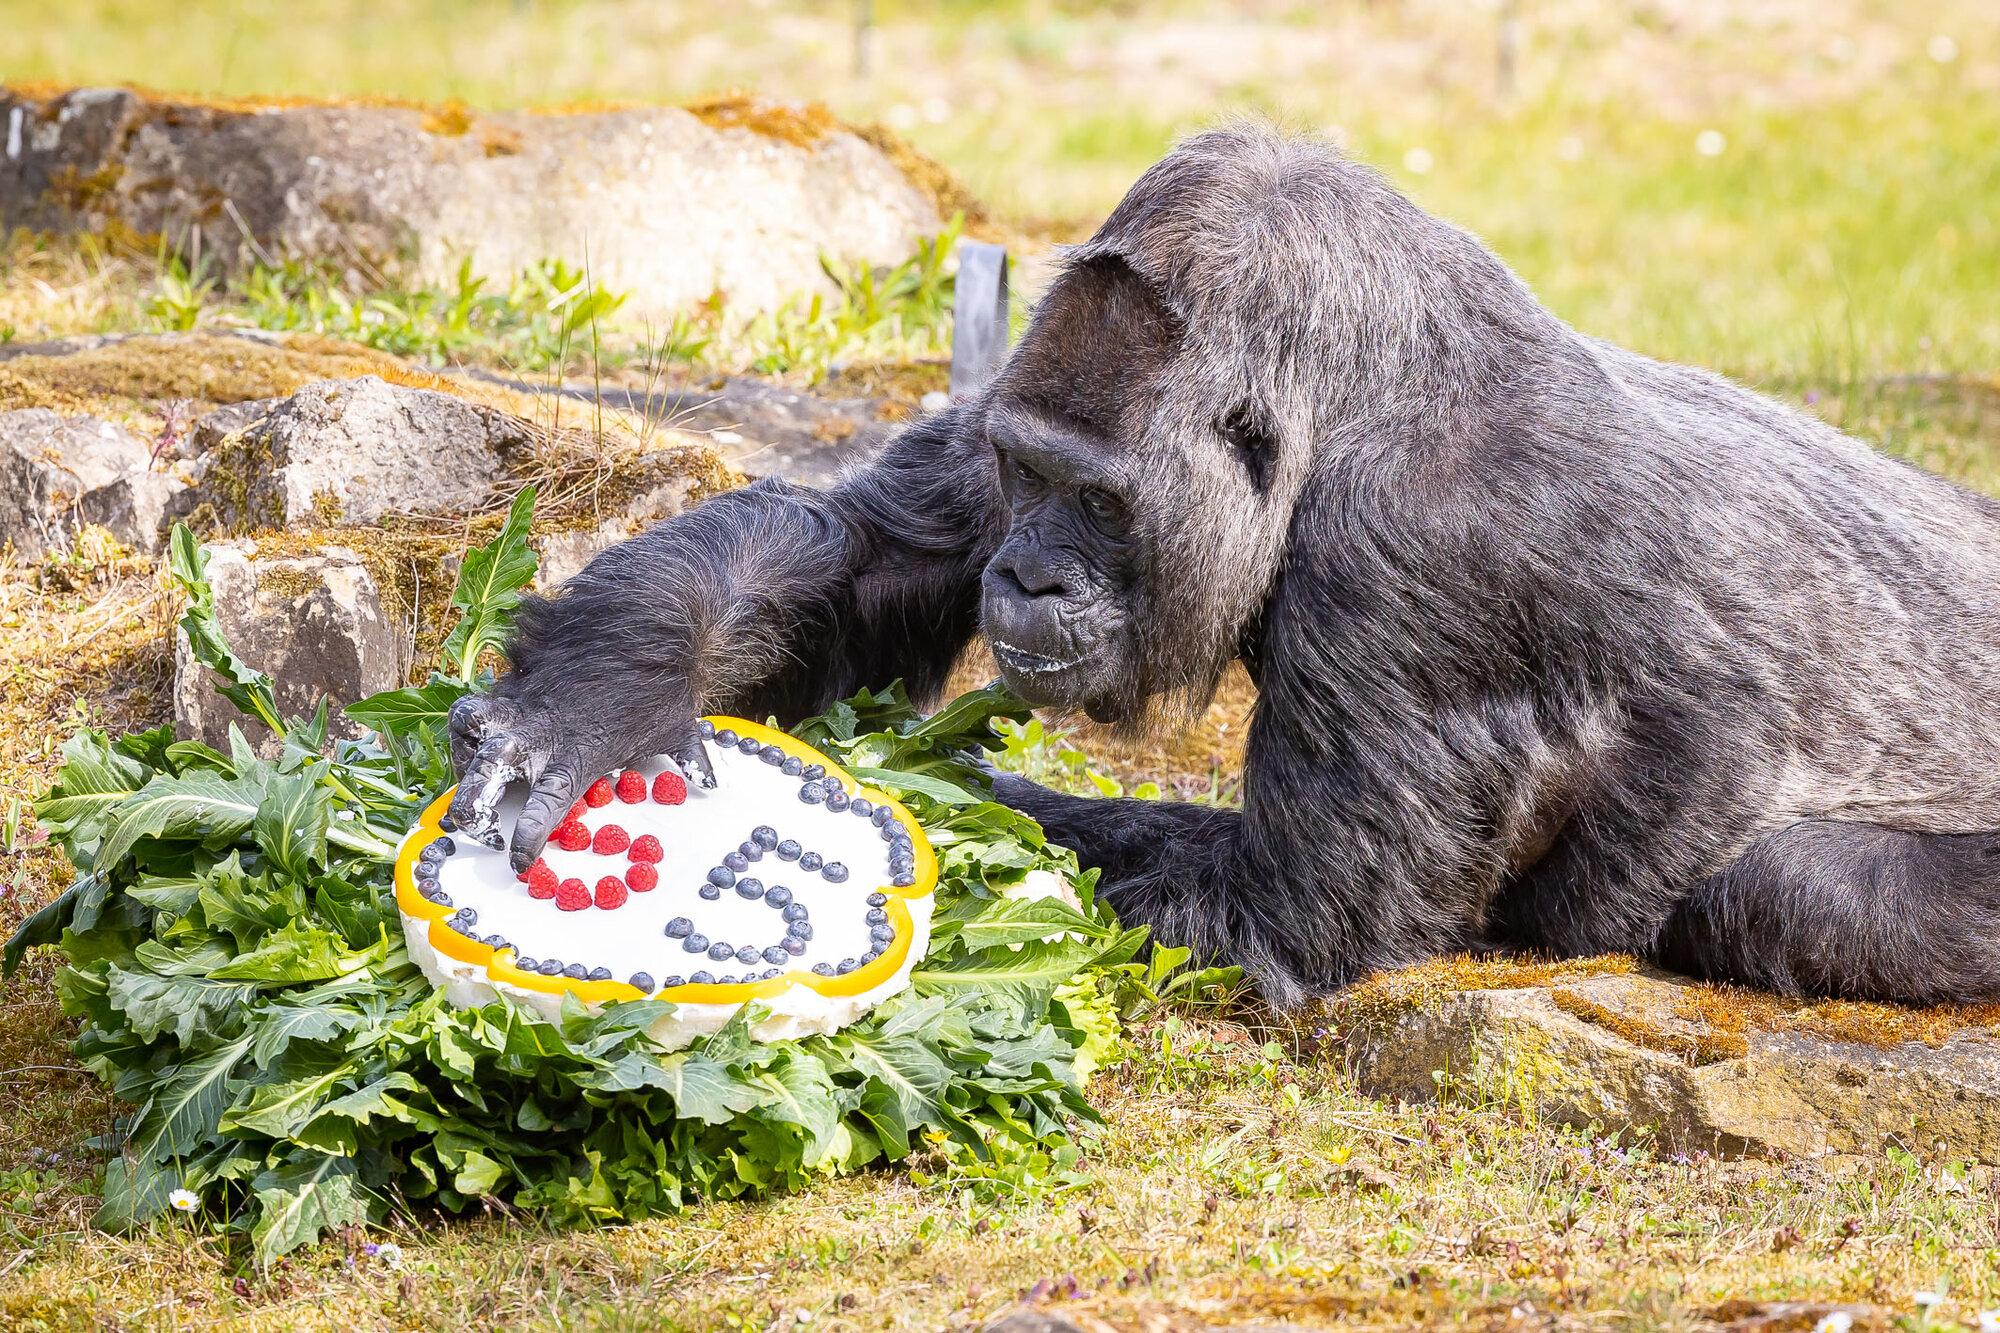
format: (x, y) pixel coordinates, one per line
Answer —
(213, 428)
(350, 451)
(668, 206)
(1631, 1051)
(647, 488)
(59, 473)
(315, 622)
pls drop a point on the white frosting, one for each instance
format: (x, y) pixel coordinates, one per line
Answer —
(630, 939)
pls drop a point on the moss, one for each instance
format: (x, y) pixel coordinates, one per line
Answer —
(326, 508)
(801, 124)
(210, 369)
(1419, 987)
(1701, 1046)
(451, 120)
(902, 384)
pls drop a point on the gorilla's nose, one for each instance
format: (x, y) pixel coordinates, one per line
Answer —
(1029, 575)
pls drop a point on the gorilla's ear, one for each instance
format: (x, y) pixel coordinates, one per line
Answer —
(1243, 431)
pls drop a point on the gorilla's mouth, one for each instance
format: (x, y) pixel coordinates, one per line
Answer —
(1027, 663)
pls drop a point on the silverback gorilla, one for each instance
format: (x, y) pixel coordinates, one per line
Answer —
(1556, 647)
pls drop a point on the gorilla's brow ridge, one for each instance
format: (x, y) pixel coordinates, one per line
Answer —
(1037, 434)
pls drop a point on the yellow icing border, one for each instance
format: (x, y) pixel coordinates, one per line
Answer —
(499, 963)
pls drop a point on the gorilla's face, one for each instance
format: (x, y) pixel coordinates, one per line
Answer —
(1133, 511)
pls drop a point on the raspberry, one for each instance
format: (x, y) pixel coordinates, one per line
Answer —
(599, 794)
(610, 892)
(642, 877)
(572, 895)
(647, 848)
(670, 789)
(610, 840)
(631, 787)
(571, 836)
(576, 812)
(540, 879)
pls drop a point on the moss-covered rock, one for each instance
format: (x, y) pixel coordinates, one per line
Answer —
(1602, 1042)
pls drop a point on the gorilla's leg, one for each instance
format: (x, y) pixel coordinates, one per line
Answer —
(1852, 910)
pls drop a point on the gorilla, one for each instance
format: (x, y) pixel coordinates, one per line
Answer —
(1557, 648)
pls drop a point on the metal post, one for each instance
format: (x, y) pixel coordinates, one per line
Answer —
(979, 316)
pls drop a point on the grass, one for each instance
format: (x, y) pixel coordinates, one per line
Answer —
(1840, 249)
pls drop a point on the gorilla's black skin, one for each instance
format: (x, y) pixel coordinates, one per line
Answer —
(1557, 647)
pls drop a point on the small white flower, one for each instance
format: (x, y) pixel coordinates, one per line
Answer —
(1710, 143)
(1941, 49)
(1924, 1300)
(1418, 161)
(185, 1200)
(1989, 1321)
(389, 1254)
(1838, 1322)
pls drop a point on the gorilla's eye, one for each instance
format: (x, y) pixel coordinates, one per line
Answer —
(1025, 475)
(1252, 447)
(1106, 510)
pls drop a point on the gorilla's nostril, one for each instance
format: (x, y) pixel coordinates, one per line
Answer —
(1032, 577)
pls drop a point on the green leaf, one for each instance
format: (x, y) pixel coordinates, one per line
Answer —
(249, 689)
(404, 713)
(197, 808)
(186, 1110)
(94, 781)
(946, 793)
(186, 1006)
(47, 925)
(300, 951)
(489, 588)
(297, 1202)
(291, 824)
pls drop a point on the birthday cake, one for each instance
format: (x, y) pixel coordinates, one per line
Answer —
(787, 883)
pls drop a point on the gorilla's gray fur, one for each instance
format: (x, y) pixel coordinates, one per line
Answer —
(1557, 646)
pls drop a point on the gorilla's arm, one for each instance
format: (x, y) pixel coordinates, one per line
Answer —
(775, 599)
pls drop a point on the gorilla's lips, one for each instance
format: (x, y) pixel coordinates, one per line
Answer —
(1029, 664)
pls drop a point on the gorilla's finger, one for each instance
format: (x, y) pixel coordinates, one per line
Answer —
(471, 720)
(494, 766)
(549, 800)
(692, 756)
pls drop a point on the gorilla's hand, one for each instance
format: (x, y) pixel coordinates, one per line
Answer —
(558, 749)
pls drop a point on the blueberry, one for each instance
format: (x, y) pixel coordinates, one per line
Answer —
(795, 912)
(870, 956)
(877, 899)
(430, 856)
(891, 833)
(710, 892)
(800, 930)
(702, 979)
(903, 879)
(704, 728)
(722, 877)
(813, 772)
(876, 916)
(749, 745)
(720, 950)
(788, 850)
(447, 824)
(576, 971)
(772, 755)
(748, 954)
(776, 955)
(525, 963)
(793, 946)
(749, 887)
(750, 851)
(883, 815)
(495, 942)
(846, 965)
(695, 943)
(835, 873)
(823, 969)
(863, 806)
(812, 793)
(466, 917)
(725, 737)
(764, 836)
(550, 967)
(791, 768)
(811, 861)
(672, 981)
(777, 895)
(599, 974)
(642, 981)
(435, 894)
(882, 934)
(446, 847)
(837, 799)
(735, 861)
(679, 928)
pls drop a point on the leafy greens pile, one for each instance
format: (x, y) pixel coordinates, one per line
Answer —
(235, 953)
